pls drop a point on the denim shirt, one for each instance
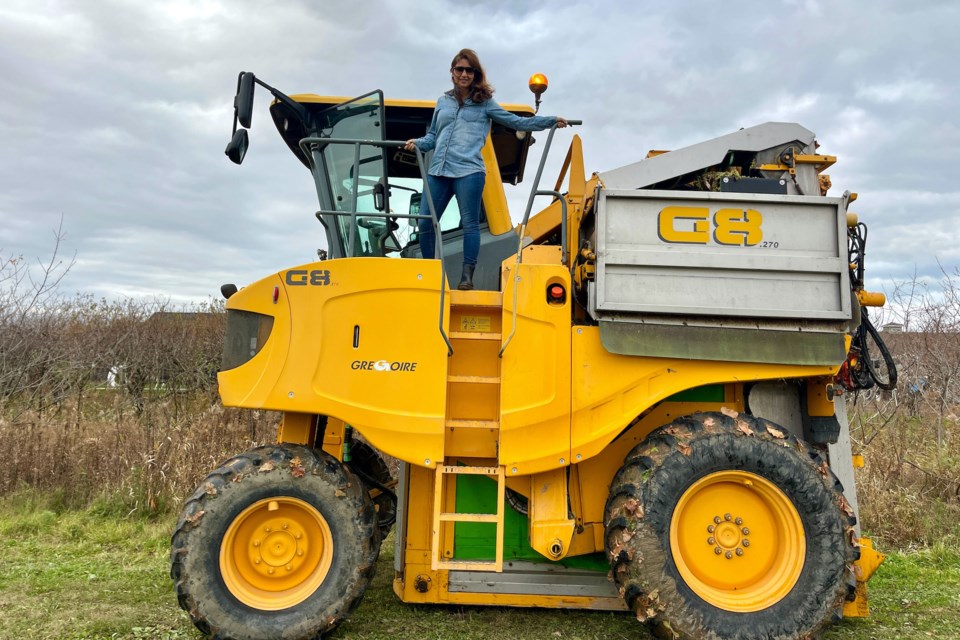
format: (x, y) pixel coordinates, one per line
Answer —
(457, 133)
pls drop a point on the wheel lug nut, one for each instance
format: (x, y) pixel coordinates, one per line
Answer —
(300, 553)
(256, 543)
(746, 543)
(745, 531)
(711, 540)
(727, 517)
(270, 571)
(717, 550)
(289, 568)
(257, 561)
(298, 536)
(711, 529)
(267, 529)
(728, 555)
(286, 526)
(739, 521)
(716, 519)
(739, 551)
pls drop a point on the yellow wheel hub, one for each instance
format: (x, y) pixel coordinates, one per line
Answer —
(737, 541)
(276, 553)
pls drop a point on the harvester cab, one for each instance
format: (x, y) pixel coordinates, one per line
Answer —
(646, 386)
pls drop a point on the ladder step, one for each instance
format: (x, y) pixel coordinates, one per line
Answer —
(476, 298)
(472, 424)
(475, 379)
(469, 517)
(474, 471)
(474, 335)
(468, 565)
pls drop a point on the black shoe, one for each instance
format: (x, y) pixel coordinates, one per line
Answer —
(466, 280)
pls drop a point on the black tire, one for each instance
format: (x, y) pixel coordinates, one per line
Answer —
(379, 482)
(331, 559)
(735, 469)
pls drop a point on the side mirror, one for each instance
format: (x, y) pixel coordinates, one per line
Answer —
(243, 102)
(237, 147)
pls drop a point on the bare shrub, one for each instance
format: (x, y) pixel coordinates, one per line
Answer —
(118, 398)
(910, 488)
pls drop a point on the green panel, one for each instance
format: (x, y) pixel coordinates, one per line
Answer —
(706, 393)
(477, 540)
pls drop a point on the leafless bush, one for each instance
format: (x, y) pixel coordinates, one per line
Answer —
(104, 396)
(30, 323)
(910, 488)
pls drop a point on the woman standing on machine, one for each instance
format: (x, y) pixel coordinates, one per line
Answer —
(457, 133)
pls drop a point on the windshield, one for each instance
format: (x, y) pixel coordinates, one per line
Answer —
(355, 175)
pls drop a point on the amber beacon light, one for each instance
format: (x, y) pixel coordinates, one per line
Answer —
(538, 84)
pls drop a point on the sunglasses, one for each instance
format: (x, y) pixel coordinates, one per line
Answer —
(462, 70)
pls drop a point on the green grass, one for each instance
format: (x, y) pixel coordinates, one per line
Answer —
(98, 574)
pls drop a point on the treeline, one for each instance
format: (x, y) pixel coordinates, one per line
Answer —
(55, 356)
(111, 398)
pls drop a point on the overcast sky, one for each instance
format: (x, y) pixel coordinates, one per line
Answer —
(114, 114)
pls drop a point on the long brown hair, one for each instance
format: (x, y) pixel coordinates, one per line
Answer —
(480, 90)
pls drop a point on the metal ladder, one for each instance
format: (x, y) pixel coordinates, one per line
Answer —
(472, 424)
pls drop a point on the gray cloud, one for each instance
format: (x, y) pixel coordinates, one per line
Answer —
(115, 113)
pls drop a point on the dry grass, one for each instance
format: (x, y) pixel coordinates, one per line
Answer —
(146, 462)
(909, 489)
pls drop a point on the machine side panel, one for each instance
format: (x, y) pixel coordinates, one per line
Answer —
(363, 345)
(535, 389)
(721, 255)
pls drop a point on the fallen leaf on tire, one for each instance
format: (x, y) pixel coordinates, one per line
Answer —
(844, 505)
(730, 413)
(296, 468)
(195, 518)
(776, 433)
(854, 540)
(339, 494)
(209, 489)
(632, 506)
(237, 478)
(684, 448)
(267, 466)
(744, 428)
(626, 536)
(709, 422)
(856, 570)
(823, 468)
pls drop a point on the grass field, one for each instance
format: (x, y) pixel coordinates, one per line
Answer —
(98, 574)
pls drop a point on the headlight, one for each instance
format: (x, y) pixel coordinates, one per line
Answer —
(247, 332)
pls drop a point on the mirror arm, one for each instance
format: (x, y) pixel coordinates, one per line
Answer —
(298, 108)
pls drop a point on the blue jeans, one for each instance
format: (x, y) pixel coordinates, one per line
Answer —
(469, 191)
